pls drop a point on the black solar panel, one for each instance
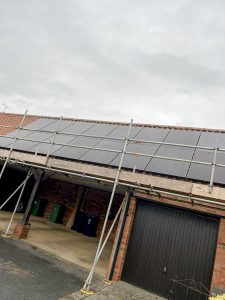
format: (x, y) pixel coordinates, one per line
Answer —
(203, 172)
(170, 167)
(4, 141)
(76, 153)
(43, 148)
(39, 124)
(121, 131)
(101, 129)
(103, 157)
(136, 161)
(154, 165)
(212, 139)
(78, 127)
(153, 134)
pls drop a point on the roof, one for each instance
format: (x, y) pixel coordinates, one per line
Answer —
(106, 131)
(13, 120)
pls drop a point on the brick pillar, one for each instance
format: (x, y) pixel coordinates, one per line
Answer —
(124, 241)
(21, 231)
(22, 228)
(218, 281)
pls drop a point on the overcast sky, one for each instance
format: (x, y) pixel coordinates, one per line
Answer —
(156, 61)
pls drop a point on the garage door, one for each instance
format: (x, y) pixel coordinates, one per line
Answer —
(167, 244)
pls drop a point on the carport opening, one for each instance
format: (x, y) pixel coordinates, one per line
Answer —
(66, 217)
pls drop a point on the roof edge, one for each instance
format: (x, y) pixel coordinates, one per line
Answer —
(122, 123)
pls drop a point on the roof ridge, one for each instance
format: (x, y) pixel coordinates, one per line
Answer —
(121, 123)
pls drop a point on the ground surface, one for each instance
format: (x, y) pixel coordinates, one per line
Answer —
(27, 273)
(116, 291)
(61, 242)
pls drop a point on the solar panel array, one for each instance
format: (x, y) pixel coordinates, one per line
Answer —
(42, 139)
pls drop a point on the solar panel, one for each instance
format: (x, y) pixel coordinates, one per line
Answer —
(76, 153)
(101, 129)
(137, 161)
(179, 136)
(212, 139)
(31, 146)
(153, 134)
(103, 157)
(43, 148)
(4, 142)
(203, 172)
(155, 165)
(40, 123)
(170, 167)
(78, 127)
(219, 175)
(121, 131)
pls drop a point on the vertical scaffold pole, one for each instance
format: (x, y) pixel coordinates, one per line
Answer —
(29, 174)
(213, 170)
(110, 230)
(13, 144)
(53, 140)
(87, 283)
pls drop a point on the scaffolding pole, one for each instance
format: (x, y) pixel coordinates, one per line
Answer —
(53, 140)
(89, 279)
(213, 170)
(109, 232)
(119, 234)
(11, 148)
(29, 174)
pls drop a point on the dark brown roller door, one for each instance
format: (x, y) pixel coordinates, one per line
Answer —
(168, 243)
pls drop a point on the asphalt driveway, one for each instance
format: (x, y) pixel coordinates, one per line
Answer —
(29, 273)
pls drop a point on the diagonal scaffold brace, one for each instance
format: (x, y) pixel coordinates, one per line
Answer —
(29, 174)
(86, 287)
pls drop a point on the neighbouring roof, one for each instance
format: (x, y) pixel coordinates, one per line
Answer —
(167, 134)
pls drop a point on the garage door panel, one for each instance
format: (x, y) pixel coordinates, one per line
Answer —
(168, 243)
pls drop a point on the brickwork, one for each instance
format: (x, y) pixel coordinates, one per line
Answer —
(13, 120)
(96, 202)
(21, 231)
(218, 280)
(56, 191)
(124, 241)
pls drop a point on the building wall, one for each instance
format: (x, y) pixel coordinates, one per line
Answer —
(218, 281)
(55, 191)
(96, 201)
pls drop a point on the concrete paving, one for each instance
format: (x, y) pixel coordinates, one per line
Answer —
(28, 273)
(61, 242)
(115, 291)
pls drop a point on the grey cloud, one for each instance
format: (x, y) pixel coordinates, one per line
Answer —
(155, 61)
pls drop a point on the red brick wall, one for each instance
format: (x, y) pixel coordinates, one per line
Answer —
(96, 201)
(13, 120)
(56, 191)
(218, 280)
(124, 241)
